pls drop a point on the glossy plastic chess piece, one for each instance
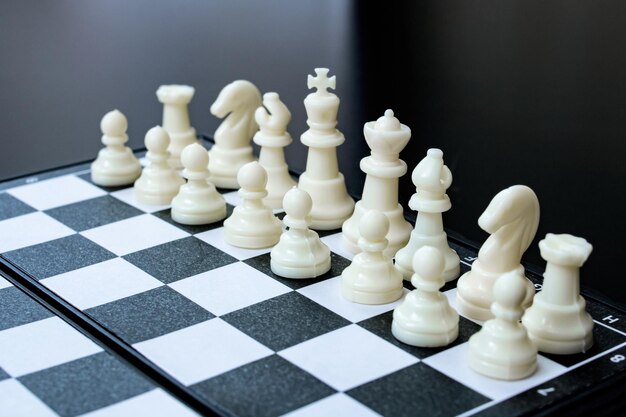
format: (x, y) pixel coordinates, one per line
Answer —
(386, 138)
(237, 102)
(512, 218)
(159, 182)
(431, 178)
(272, 138)
(371, 278)
(252, 224)
(332, 204)
(425, 317)
(197, 202)
(115, 165)
(557, 321)
(502, 348)
(300, 253)
(175, 99)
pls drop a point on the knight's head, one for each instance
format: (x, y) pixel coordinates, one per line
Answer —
(511, 204)
(238, 94)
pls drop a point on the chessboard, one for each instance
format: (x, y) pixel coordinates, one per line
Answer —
(168, 319)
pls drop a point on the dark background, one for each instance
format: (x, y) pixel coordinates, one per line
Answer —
(513, 92)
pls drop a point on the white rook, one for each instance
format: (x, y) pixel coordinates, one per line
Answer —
(175, 99)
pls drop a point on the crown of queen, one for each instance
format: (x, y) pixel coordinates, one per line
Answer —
(321, 106)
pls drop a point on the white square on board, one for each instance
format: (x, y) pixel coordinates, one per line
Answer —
(335, 244)
(229, 288)
(30, 229)
(155, 403)
(134, 234)
(40, 345)
(101, 283)
(328, 294)
(4, 283)
(127, 195)
(55, 192)
(202, 351)
(215, 237)
(348, 357)
(336, 405)
(455, 364)
(17, 401)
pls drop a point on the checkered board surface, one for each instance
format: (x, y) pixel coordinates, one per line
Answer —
(244, 341)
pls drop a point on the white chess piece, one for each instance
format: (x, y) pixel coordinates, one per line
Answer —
(502, 348)
(557, 321)
(371, 278)
(386, 137)
(252, 224)
(197, 202)
(300, 253)
(431, 178)
(175, 99)
(425, 317)
(237, 102)
(512, 218)
(115, 165)
(272, 138)
(159, 182)
(332, 204)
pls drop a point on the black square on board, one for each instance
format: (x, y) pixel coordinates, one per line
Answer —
(58, 256)
(262, 263)
(92, 213)
(381, 326)
(149, 314)
(86, 384)
(417, 390)
(166, 215)
(17, 308)
(3, 374)
(284, 321)
(12, 207)
(179, 259)
(268, 387)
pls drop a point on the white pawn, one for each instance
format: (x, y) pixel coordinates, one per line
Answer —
(431, 178)
(502, 348)
(252, 224)
(300, 253)
(557, 321)
(371, 278)
(197, 202)
(158, 183)
(425, 317)
(272, 138)
(115, 165)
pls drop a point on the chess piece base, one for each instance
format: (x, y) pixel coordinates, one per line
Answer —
(557, 329)
(422, 339)
(160, 189)
(331, 203)
(502, 352)
(371, 282)
(113, 169)
(474, 293)
(252, 228)
(224, 164)
(300, 254)
(187, 210)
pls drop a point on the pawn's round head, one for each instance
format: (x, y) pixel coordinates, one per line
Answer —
(157, 139)
(510, 290)
(297, 203)
(252, 177)
(428, 263)
(374, 226)
(114, 123)
(194, 157)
